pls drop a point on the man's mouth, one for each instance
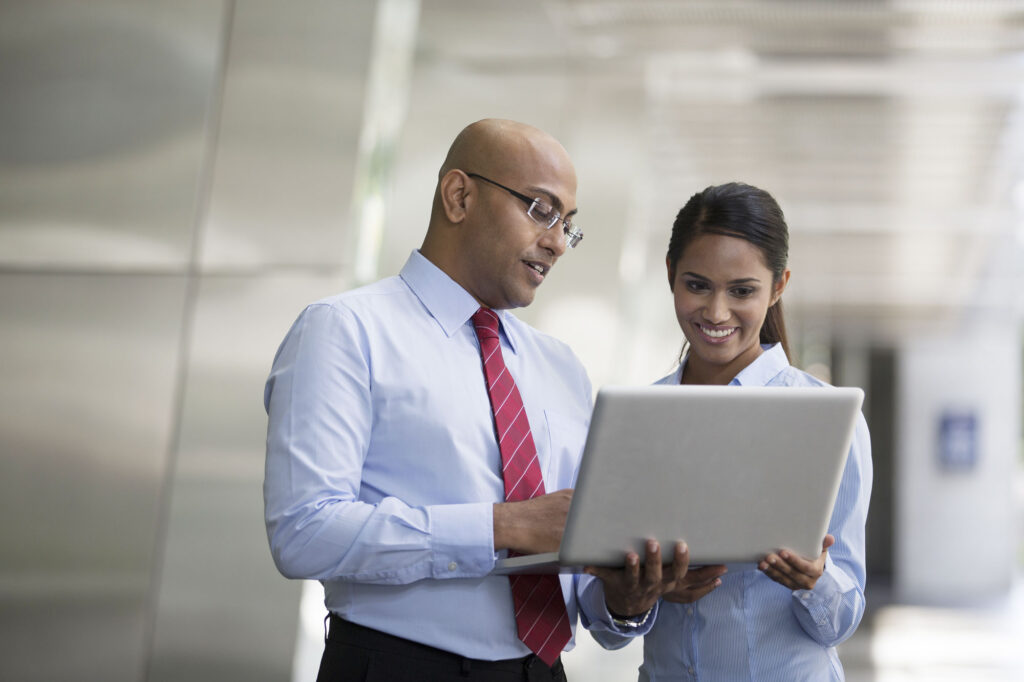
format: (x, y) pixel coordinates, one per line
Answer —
(538, 267)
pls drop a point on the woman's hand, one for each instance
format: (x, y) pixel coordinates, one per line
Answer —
(796, 573)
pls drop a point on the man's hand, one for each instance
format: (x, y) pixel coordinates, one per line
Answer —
(633, 590)
(697, 583)
(796, 573)
(532, 526)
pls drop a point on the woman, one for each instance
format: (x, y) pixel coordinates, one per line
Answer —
(783, 619)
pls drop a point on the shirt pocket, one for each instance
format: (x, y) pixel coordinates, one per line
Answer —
(566, 436)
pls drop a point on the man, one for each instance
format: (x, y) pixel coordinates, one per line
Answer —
(417, 429)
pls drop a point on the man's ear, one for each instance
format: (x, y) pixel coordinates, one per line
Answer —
(454, 189)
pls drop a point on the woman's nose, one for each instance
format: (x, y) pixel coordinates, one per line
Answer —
(717, 310)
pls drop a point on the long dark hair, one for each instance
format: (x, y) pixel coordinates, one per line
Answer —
(744, 211)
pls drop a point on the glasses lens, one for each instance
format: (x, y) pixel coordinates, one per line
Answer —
(573, 235)
(547, 216)
(543, 214)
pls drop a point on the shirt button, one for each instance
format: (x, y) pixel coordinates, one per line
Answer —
(805, 596)
(690, 670)
(452, 566)
(689, 610)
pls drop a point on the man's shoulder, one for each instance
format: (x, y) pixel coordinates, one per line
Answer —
(374, 298)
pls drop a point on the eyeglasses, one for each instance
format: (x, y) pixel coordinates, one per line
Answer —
(542, 213)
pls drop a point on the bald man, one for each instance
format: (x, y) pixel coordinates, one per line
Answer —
(384, 476)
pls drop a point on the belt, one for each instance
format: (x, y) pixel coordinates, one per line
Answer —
(342, 630)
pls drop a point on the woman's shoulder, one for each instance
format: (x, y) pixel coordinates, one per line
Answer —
(793, 376)
(670, 379)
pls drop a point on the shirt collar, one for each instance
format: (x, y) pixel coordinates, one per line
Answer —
(764, 368)
(446, 301)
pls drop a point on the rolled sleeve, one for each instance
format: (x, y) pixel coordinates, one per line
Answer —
(831, 611)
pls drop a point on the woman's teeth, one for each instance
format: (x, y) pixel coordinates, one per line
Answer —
(718, 333)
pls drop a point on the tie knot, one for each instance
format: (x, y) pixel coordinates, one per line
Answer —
(485, 321)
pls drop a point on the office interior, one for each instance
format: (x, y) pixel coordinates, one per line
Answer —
(178, 178)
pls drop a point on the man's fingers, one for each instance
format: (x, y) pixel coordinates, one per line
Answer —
(652, 562)
(631, 572)
(604, 574)
(692, 591)
(705, 573)
(702, 590)
(680, 562)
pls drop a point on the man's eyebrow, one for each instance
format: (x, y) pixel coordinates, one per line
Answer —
(555, 201)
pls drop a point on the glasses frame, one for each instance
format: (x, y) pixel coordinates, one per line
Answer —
(573, 233)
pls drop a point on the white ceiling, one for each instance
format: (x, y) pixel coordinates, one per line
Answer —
(890, 132)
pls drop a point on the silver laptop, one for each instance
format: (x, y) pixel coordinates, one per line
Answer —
(736, 472)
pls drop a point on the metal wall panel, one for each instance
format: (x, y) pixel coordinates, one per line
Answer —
(87, 390)
(224, 612)
(102, 130)
(102, 141)
(287, 143)
(289, 133)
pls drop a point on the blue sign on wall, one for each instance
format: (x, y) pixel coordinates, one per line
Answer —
(958, 441)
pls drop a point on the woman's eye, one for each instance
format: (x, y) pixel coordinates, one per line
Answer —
(694, 285)
(742, 292)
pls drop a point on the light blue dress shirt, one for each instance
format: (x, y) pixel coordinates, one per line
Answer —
(382, 463)
(752, 628)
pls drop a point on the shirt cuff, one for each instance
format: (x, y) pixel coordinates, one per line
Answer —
(462, 540)
(595, 614)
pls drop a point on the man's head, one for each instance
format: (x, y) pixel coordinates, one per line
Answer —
(480, 232)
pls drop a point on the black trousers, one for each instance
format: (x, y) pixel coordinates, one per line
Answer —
(353, 653)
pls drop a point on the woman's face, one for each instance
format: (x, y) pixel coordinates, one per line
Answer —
(722, 291)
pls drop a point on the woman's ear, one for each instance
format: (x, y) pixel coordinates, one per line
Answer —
(780, 286)
(671, 274)
(454, 190)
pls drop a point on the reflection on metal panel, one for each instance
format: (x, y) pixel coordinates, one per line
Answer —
(394, 42)
(102, 121)
(288, 138)
(86, 399)
(224, 612)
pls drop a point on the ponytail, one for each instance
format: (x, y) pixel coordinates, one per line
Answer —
(774, 328)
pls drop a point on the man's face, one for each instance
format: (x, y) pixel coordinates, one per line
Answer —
(508, 253)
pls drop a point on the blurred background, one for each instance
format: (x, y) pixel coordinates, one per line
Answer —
(178, 178)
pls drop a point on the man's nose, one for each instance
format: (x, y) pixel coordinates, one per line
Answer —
(554, 240)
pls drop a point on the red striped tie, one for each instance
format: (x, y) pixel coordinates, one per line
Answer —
(541, 619)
